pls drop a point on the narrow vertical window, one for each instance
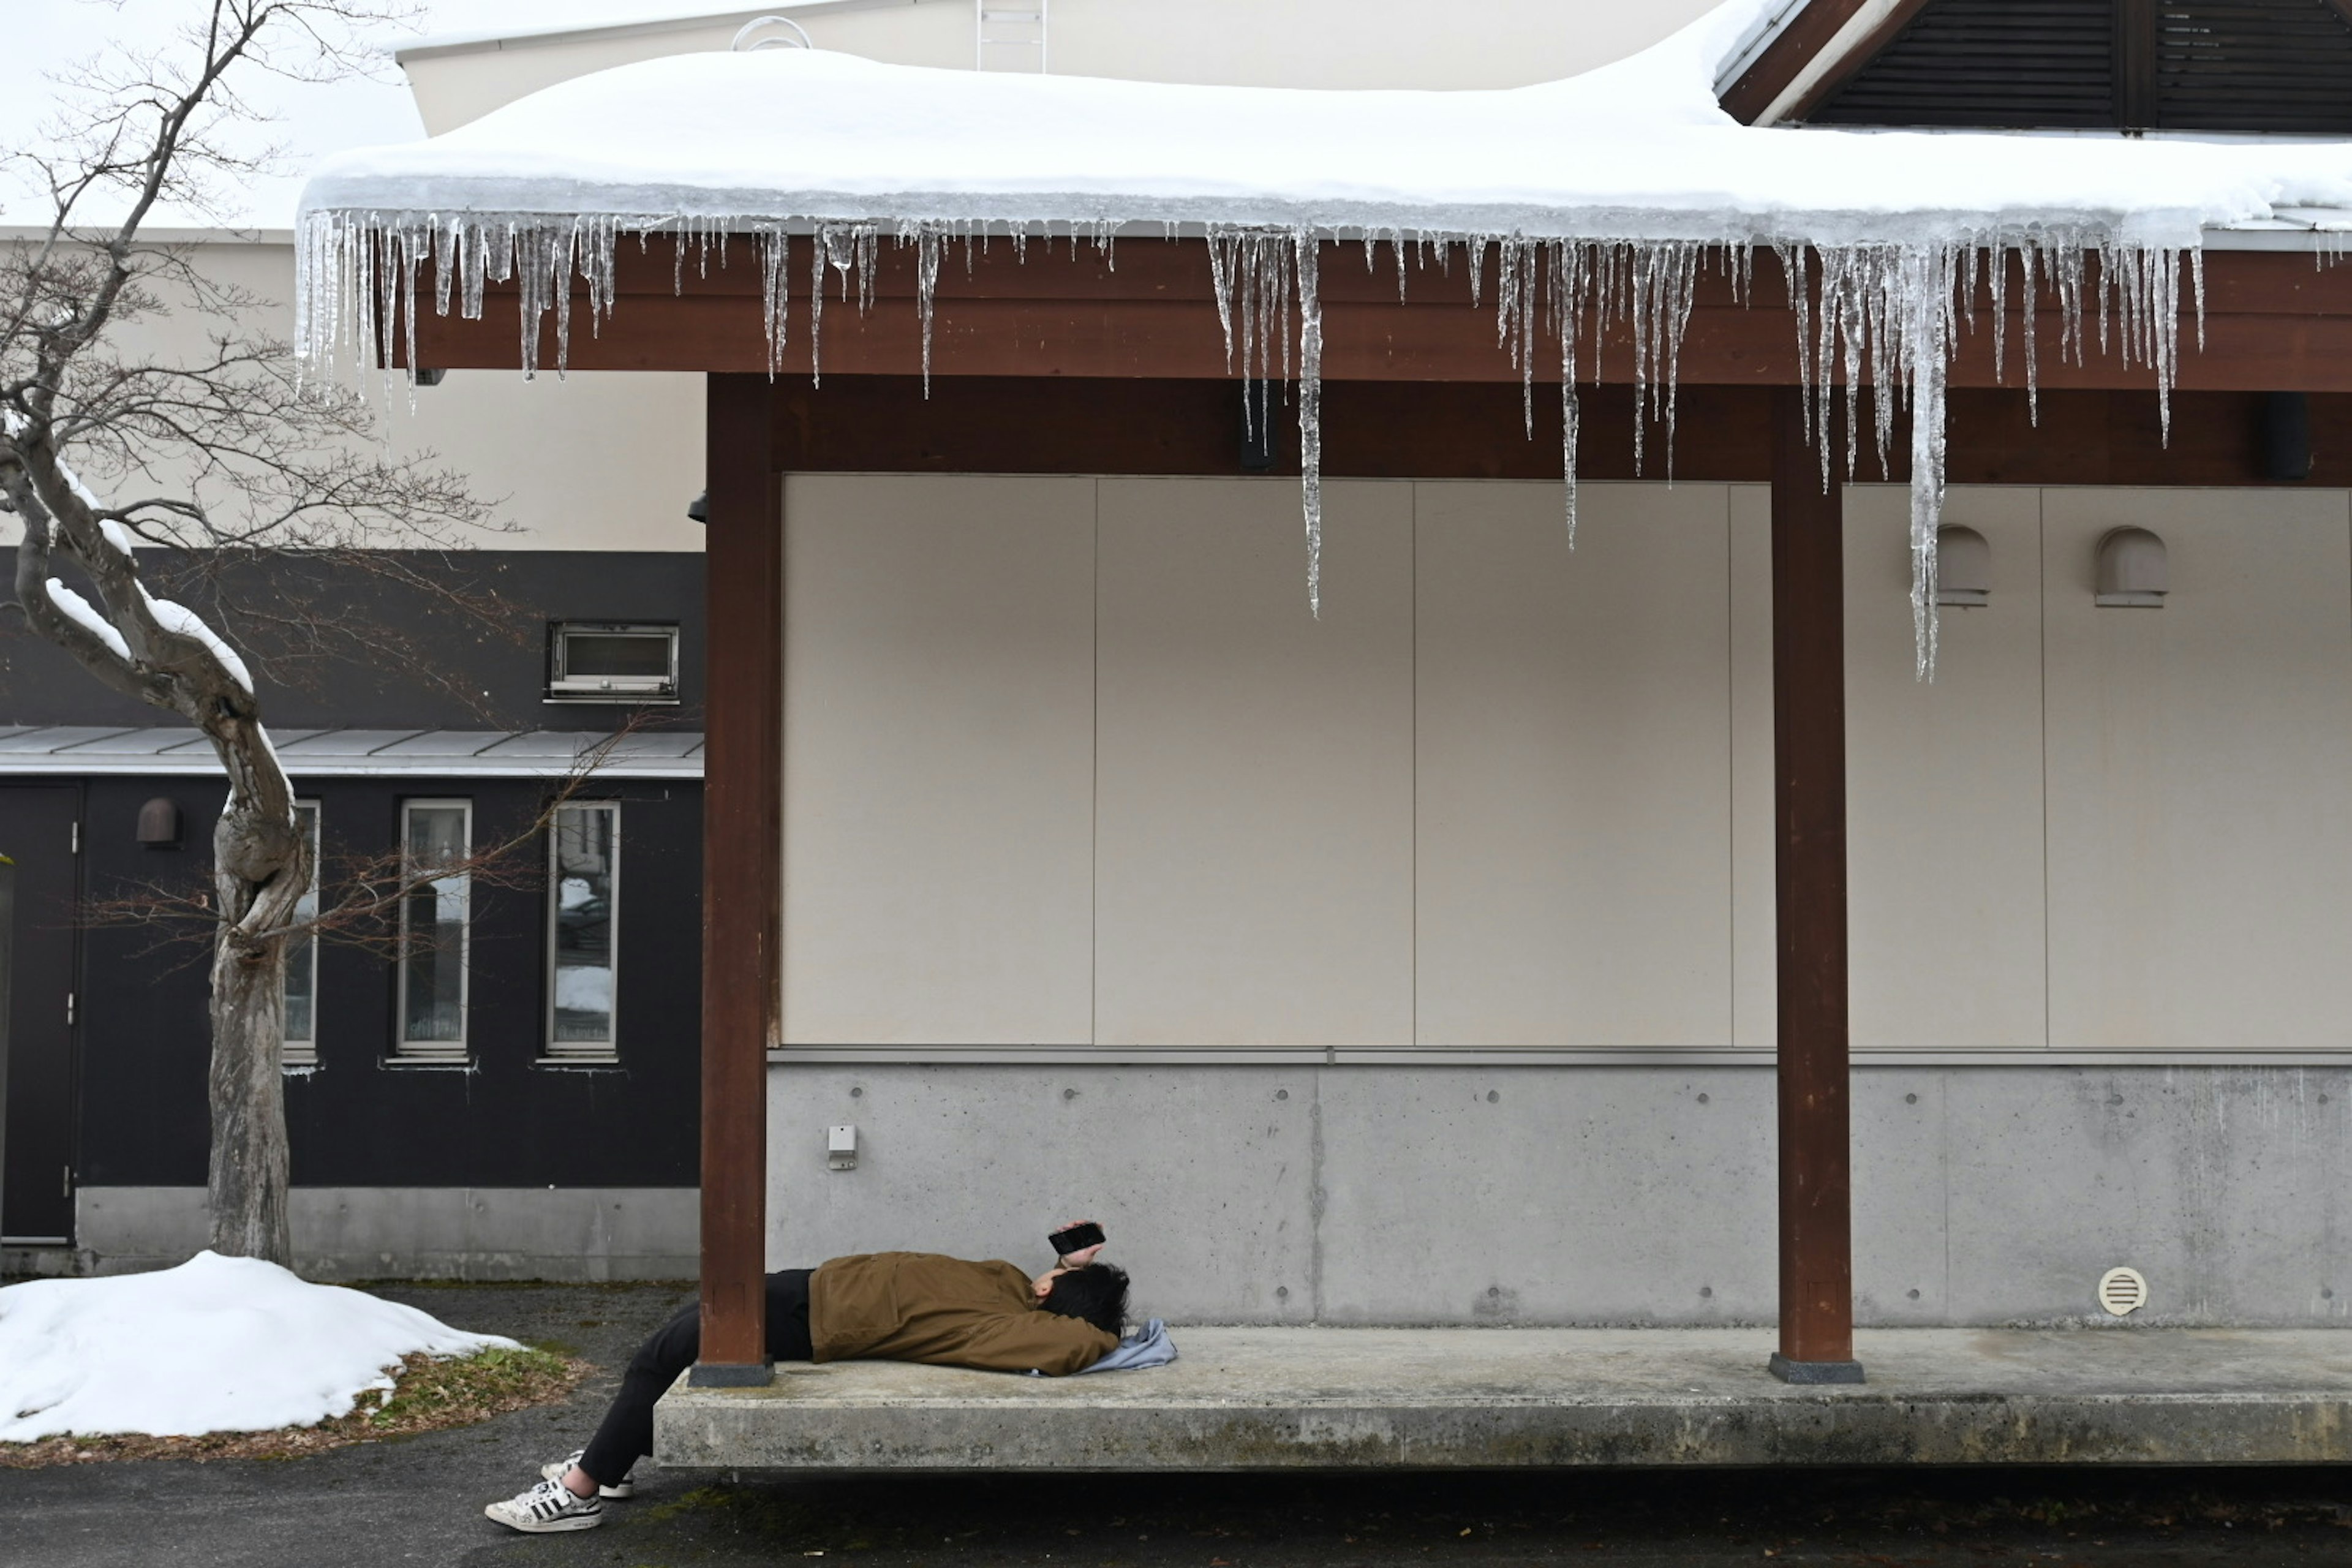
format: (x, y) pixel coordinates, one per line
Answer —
(435, 834)
(301, 1046)
(584, 902)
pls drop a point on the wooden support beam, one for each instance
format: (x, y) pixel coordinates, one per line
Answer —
(742, 842)
(1810, 905)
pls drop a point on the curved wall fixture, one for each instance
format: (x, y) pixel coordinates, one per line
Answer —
(748, 37)
(1963, 567)
(159, 824)
(2132, 573)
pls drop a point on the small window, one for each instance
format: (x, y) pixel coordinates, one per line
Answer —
(584, 884)
(602, 661)
(301, 1044)
(433, 928)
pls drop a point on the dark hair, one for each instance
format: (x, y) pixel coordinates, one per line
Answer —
(1097, 1293)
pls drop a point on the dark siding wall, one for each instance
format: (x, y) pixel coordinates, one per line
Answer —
(396, 656)
(358, 1121)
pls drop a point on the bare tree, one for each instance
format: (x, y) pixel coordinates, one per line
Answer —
(221, 451)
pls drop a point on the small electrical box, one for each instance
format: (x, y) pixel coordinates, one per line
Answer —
(841, 1148)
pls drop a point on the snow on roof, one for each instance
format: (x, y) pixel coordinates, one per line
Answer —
(1635, 150)
(1605, 193)
(217, 1344)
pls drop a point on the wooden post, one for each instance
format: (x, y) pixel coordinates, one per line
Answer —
(1809, 812)
(742, 840)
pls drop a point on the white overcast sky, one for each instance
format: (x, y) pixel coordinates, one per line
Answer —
(43, 35)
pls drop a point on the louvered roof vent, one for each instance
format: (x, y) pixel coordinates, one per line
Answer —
(2161, 65)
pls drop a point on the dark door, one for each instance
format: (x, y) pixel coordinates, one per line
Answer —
(39, 831)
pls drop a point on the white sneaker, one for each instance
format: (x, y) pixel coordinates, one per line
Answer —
(547, 1507)
(556, 1470)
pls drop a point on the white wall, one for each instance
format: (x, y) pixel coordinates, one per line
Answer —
(1068, 763)
(592, 461)
(1260, 43)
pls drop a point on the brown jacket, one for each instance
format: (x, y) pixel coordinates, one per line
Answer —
(920, 1306)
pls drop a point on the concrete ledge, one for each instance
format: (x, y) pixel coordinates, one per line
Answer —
(1259, 1399)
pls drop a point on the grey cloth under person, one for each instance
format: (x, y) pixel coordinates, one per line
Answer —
(1138, 1347)
(1147, 1346)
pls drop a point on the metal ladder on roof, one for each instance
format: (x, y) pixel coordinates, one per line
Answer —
(1010, 34)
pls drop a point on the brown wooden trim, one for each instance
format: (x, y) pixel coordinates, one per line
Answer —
(1890, 27)
(1807, 34)
(2274, 322)
(1810, 896)
(743, 805)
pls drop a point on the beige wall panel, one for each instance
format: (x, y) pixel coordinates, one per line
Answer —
(1573, 739)
(939, 756)
(2200, 847)
(1754, 973)
(1944, 786)
(1254, 873)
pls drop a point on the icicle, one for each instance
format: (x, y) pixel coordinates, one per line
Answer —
(1928, 278)
(817, 257)
(1310, 413)
(776, 290)
(1570, 276)
(927, 282)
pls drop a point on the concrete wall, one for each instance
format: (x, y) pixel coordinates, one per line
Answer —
(1588, 1195)
(1069, 764)
(415, 1232)
(1297, 43)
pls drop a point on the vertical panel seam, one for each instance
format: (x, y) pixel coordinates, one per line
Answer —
(1412, 614)
(2041, 674)
(1730, 781)
(1094, 789)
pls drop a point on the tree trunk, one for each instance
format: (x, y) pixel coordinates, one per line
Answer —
(245, 1188)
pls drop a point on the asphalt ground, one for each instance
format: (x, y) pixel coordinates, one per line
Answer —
(419, 1500)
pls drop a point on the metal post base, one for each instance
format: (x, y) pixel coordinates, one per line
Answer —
(1789, 1371)
(730, 1375)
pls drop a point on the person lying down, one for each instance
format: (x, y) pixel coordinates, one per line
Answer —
(882, 1306)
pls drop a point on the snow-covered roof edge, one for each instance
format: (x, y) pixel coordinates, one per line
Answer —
(1604, 196)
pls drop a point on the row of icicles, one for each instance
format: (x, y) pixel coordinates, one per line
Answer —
(1889, 313)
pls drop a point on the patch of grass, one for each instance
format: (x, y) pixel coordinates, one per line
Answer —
(428, 1393)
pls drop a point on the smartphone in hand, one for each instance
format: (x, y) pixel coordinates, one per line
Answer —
(1073, 1238)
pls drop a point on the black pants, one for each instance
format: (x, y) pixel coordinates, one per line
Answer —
(628, 1432)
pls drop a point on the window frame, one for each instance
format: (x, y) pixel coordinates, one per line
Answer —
(573, 1053)
(562, 688)
(304, 1052)
(460, 1049)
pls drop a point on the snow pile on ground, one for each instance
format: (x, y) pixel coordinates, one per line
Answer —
(218, 1344)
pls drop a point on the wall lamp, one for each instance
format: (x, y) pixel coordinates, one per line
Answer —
(1963, 567)
(2132, 573)
(699, 509)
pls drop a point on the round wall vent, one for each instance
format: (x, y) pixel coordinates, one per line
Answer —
(2122, 1290)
